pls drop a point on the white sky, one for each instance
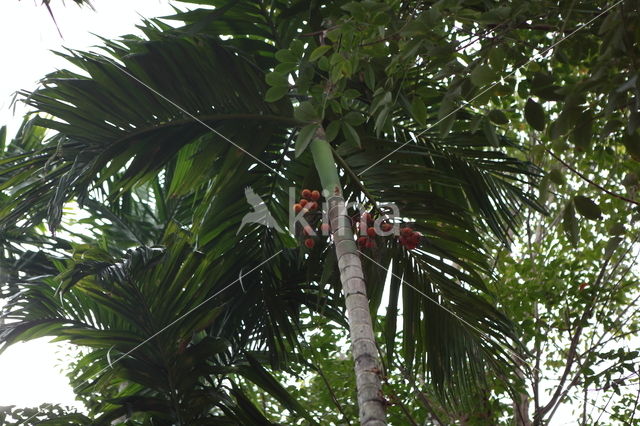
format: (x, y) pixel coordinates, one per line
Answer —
(30, 373)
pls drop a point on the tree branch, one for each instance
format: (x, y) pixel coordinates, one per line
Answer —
(572, 352)
(591, 182)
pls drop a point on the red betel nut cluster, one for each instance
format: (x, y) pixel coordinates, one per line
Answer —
(309, 201)
(366, 241)
(307, 204)
(367, 233)
(409, 238)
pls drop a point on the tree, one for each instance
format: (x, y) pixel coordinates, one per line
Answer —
(45, 414)
(116, 302)
(376, 84)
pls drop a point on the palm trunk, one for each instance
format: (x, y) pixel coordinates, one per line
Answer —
(363, 345)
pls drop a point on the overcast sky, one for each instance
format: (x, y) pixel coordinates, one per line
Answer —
(30, 373)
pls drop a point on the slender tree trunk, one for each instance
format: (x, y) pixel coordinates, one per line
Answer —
(363, 345)
(521, 402)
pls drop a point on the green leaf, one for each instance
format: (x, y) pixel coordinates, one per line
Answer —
(419, 110)
(297, 47)
(318, 52)
(498, 117)
(497, 56)
(354, 118)
(587, 207)
(276, 79)
(558, 128)
(490, 133)
(446, 116)
(346, 68)
(332, 130)
(523, 89)
(381, 120)
(380, 101)
(583, 132)
(350, 94)
(275, 93)
(612, 245)
(323, 63)
(305, 136)
(534, 114)
(482, 75)
(381, 18)
(306, 112)
(617, 229)
(354, 7)
(286, 67)
(570, 224)
(351, 135)
(369, 76)
(285, 55)
(542, 85)
(556, 176)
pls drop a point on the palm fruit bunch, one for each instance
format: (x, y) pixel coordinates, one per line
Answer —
(308, 203)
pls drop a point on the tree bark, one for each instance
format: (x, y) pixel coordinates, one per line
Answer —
(363, 346)
(521, 402)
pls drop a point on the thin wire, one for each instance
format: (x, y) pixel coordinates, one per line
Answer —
(171, 324)
(466, 103)
(465, 322)
(123, 70)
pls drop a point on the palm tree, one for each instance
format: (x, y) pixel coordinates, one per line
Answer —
(159, 136)
(363, 344)
(167, 332)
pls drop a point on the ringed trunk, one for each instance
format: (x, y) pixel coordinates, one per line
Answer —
(363, 346)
